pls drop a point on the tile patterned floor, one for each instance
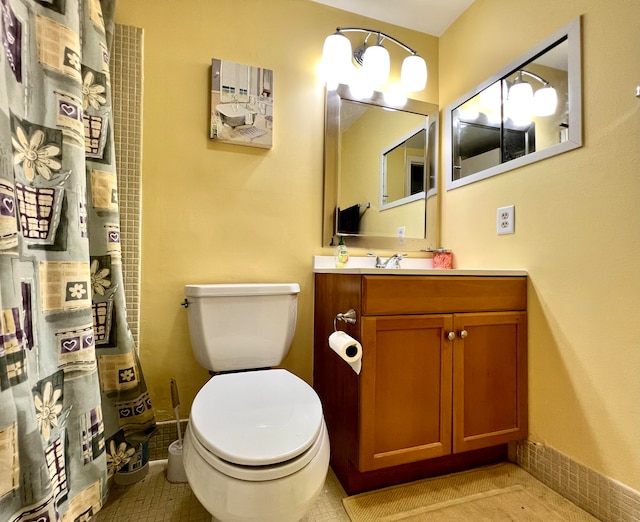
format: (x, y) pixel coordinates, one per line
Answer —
(153, 499)
(156, 499)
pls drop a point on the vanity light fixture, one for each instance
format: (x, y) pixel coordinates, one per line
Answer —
(337, 60)
(522, 103)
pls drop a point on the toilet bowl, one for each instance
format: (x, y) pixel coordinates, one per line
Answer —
(256, 447)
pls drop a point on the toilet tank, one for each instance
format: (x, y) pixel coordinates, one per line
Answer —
(241, 326)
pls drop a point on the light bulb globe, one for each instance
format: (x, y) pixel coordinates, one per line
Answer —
(545, 101)
(519, 105)
(376, 65)
(413, 75)
(521, 93)
(336, 58)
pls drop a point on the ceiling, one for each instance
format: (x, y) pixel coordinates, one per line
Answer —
(427, 16)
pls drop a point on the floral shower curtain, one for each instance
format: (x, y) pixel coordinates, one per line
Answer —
(74, 407)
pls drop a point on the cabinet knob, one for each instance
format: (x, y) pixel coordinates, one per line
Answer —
(451, 336)
(463, 334)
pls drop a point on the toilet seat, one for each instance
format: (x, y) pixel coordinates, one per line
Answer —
(259, 473)
(267, 420)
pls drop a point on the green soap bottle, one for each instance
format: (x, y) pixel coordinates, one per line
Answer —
(342, 254)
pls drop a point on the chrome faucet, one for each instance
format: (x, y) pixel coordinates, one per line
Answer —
(391, 262)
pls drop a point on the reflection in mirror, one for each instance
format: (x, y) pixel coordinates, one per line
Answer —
(380, 172)
(529, 111)
(403, 170)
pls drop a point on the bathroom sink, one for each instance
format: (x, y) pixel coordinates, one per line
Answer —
(369, 262)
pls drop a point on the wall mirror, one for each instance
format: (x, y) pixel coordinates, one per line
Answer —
(380, 172)
(529, 111)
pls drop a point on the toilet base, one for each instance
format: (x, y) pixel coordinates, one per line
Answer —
(228, 499)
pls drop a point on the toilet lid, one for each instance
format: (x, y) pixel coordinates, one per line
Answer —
(256, 418)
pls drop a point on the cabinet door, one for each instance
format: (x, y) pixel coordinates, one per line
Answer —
(489, 379)
(405, 390)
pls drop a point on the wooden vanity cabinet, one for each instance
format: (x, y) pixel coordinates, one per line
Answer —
(443, 384)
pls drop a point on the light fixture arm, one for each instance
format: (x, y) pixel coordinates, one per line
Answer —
(380, 36)
(533, 75)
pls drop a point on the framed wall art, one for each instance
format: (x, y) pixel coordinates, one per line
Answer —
(241, 104)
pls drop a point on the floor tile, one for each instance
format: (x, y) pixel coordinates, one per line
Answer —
(156, 499)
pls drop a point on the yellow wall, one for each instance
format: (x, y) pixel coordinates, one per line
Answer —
(223, 213)
(228, 213)
(577, 227)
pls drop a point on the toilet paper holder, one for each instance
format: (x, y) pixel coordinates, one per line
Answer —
(348, 317)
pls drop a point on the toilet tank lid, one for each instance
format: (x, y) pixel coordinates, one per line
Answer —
(241, 289)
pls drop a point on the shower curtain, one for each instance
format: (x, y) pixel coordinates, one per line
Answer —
(74, 408)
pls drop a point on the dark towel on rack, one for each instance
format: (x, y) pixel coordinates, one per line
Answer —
(349, 220)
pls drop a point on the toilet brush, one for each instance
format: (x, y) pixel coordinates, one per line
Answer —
(175, 464)
(175, 401)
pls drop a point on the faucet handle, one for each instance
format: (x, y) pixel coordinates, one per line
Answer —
(378, 260)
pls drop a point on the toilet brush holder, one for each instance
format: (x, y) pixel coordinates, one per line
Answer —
(175, 466)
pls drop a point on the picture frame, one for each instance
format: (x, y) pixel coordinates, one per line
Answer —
(241, 104)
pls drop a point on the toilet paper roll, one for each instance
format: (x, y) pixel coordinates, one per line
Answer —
(348, 348)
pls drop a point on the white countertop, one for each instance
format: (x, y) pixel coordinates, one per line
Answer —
(408, 266)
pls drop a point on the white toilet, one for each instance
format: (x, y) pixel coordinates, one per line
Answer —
(256, 447)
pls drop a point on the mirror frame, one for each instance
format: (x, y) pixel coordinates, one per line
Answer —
(572, 34)
(333, 100)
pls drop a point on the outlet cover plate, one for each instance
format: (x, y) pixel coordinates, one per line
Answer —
(505, 220)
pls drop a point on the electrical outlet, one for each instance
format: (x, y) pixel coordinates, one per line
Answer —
(506, 220)
(401, 232)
